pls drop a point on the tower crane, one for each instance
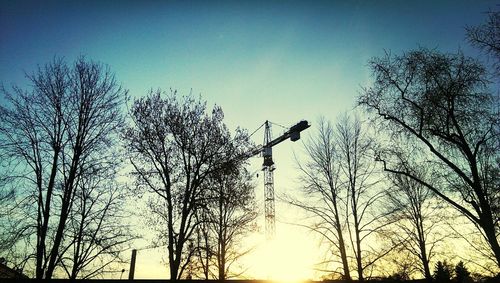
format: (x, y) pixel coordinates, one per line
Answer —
(268, 167)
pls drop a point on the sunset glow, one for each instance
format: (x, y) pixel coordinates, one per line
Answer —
(277, 61)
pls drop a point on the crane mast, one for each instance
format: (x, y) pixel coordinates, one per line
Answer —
(268, 167)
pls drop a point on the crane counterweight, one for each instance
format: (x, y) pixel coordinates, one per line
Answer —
(267, 153)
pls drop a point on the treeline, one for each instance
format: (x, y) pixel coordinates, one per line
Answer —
(381, 184)
(64, 144)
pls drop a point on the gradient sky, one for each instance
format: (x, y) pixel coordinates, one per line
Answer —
(277, 60)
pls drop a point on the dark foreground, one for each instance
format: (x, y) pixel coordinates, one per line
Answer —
(196, 281)
(4, 280)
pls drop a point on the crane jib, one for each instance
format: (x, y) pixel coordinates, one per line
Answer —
(293, 133)
(268, 167)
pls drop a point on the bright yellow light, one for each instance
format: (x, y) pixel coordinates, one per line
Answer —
(289, 257)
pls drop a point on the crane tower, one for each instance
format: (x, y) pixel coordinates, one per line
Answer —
(268, 167)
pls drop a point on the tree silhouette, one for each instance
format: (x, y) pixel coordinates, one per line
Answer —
(405, 265)
(339, 178)
(442, 272)
(438, 107)
(487, 37)
(462, 274)
(321, 184)
(416, 219)
(359, 178)
(228, 216)
(15, 230)
(97, 228)
(175, 145)
(9, 233)
(56, 133)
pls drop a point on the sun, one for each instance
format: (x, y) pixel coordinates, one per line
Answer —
(290, 256)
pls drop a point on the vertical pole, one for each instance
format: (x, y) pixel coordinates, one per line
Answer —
(132, 265)
(269, 202)
(268, 168)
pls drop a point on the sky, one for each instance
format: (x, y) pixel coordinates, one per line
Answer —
(282, 61)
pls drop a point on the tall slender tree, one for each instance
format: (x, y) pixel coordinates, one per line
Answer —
(416, 220)
(229, 215)
(57, 131)
(321, 184)
(359, 177)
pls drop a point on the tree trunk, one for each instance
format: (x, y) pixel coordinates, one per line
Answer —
(425, 262)
(42, 231)
(54, 255)
(358, 258)
(357, 234)
(343, 253)
(207, 253)
(222, 264)
(174, 269)
(171, 250)
(358, 240)
(421, 245)
(489, 231)
(79, 242)
(221, 245)
(66, 207)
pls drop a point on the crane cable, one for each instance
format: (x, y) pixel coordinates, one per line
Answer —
(256, 130)
(276, 124)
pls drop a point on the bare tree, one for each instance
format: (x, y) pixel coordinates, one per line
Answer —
(340, 181)
(175, 145)
(14, 229)
(8, 237)
(360, 180)
(417, 219)
(56, 131)
(402, 265)
(487, 37)
(439, 106)
(228, 214)
(231, 215)
(321, 185)
(204, 247)
(97, 231)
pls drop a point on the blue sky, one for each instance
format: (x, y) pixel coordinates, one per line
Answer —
(277, 60)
